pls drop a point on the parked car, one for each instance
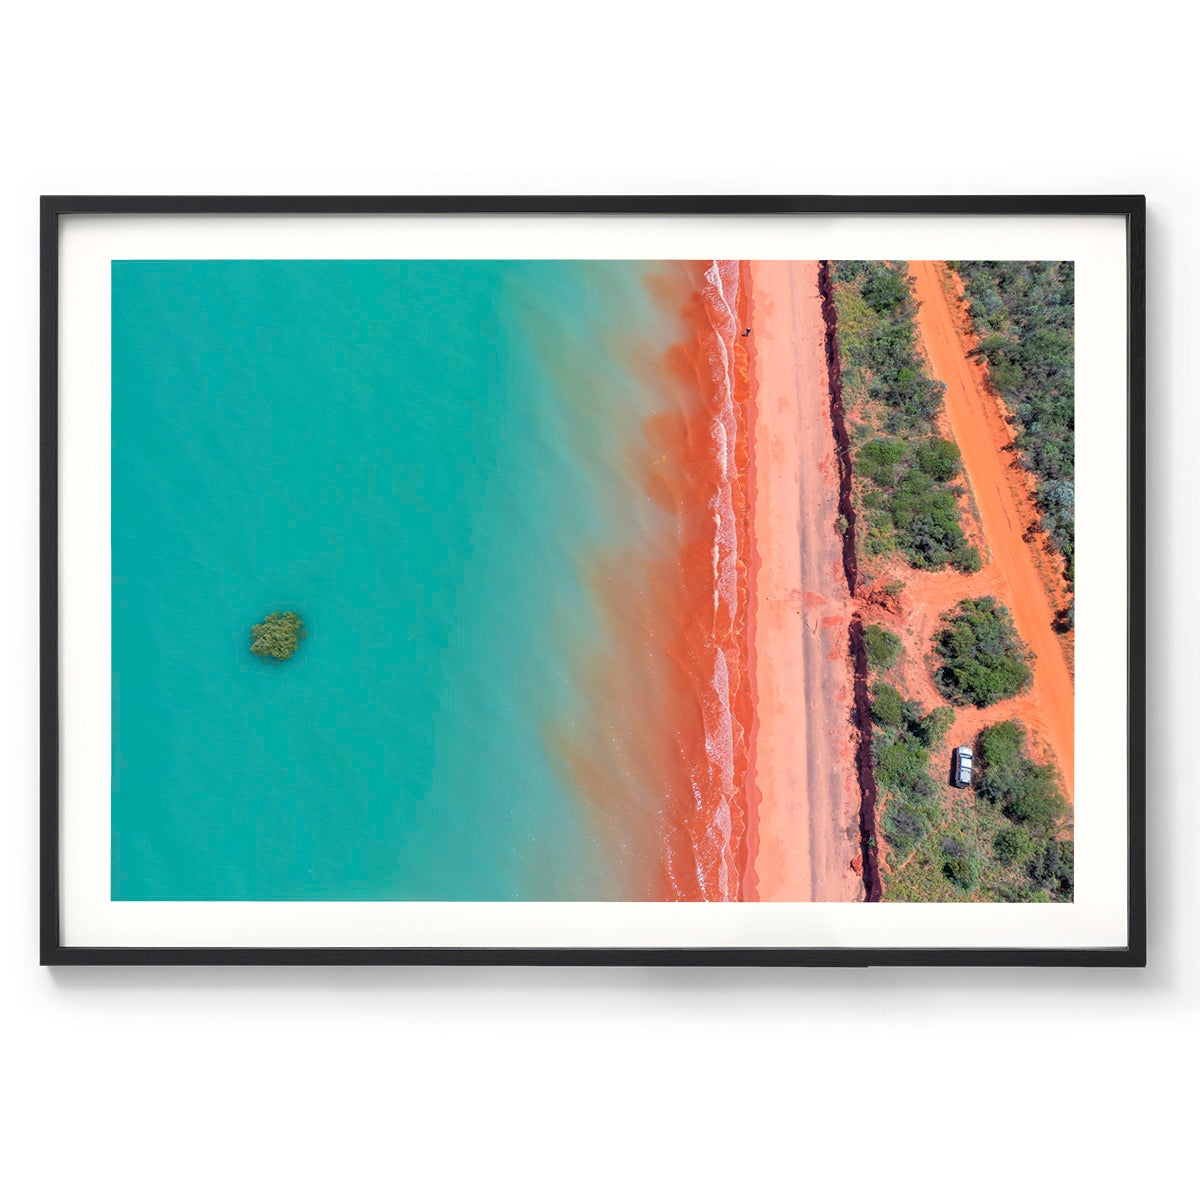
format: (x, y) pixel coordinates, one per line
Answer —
(961, 766)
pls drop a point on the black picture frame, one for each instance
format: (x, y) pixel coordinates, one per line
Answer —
(53, 208)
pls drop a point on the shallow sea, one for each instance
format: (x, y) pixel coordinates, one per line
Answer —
(424, 460)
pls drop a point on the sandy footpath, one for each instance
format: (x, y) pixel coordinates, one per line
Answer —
(804, 799)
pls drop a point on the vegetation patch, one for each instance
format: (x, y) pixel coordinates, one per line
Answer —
(1027, 794)
(982, 844)
(278, 636)
(904, 470)
(960, 864)
(882, 647)
(1026, 791)
(1024, 316)
(902, 738)
(982, 658)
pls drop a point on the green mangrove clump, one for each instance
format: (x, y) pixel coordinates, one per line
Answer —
(277, 637)
(983, 659)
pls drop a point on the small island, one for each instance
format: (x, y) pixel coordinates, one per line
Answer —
(277, 637)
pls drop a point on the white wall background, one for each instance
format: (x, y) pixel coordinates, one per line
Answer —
(634, 1083)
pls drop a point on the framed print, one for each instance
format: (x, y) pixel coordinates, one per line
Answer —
(671, 580)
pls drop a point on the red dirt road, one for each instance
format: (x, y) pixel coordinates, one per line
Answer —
(982, 433)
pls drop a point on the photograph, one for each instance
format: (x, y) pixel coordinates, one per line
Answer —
(592, 580)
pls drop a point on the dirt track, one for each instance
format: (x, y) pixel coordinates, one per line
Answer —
(1000, 488)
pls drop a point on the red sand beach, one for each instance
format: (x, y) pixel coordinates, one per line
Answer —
(746, 735)
(802, 793)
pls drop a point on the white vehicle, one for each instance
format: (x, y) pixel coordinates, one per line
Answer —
(963, 761)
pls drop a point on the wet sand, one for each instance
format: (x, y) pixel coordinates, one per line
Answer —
(803, 834)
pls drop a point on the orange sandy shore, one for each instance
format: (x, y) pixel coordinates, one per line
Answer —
(803, 830)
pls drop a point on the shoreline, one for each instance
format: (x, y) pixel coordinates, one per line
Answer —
(697, 468)
(664, 790)
(801, 787)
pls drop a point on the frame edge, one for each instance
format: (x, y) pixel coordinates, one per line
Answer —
(48, 580)
(53, 953)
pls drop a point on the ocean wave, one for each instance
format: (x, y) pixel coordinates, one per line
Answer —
(714, 783)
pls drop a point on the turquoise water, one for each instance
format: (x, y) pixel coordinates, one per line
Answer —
(420, 458)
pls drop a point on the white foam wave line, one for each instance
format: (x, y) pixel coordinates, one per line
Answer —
(713, 846)
(722, 280)
(718, 742)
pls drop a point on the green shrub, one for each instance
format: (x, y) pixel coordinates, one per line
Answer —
(926, 518)
(277, 637)
(911, 801)
(939, 459)
(1013, 845)
(878, 459)
(884, 289)
(882, 646)
(965, 558)
(1053, 867)
(903, 765)
(936, 725)
(982, 659)
(908, 487)
(1037, 800)
(904, 825)
(1003, 742)
(960, 866)
(887, 705)
(1026, 791)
